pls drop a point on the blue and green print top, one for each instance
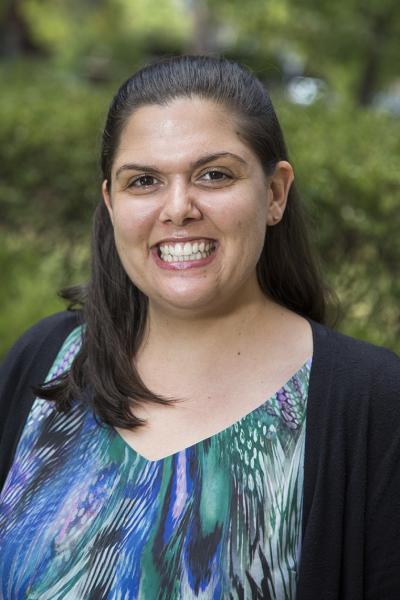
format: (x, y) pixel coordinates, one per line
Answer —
(85, 517)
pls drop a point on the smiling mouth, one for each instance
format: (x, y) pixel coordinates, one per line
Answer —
(187, 251)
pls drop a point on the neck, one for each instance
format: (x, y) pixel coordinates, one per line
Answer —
(176, 334)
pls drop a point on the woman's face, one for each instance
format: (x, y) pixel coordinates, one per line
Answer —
(190, 204)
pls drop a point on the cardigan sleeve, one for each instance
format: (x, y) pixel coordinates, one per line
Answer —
(351, 509)
(382, 527)
(27, 365)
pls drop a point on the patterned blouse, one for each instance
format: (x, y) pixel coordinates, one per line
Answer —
(83, 516)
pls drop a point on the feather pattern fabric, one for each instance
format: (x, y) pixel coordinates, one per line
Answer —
(83, 516)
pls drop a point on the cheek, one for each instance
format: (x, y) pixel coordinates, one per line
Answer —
(132, 224)
(247, 228)
(245, 219)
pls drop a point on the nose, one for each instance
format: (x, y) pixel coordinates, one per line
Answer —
(179, 204)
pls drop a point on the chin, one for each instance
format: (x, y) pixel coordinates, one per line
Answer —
(187, 303)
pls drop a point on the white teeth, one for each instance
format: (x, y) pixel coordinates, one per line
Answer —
(180, 252)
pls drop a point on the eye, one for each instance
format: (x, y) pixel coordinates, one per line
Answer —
(143, 181)
(213, 175)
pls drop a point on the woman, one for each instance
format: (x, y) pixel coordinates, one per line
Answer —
(209, 436)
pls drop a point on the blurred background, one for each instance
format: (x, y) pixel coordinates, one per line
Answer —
(333, 70)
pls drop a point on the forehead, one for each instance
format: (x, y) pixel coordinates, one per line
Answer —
(179, 132)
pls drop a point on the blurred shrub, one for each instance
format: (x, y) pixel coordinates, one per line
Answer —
(50, 133)
(347, 165)
(31, 274)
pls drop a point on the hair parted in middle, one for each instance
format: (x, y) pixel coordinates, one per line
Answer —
(114, 309)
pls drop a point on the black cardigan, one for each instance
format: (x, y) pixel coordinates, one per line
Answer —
(351, 518)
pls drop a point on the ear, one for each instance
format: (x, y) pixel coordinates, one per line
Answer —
(107, 199)
(279, 186)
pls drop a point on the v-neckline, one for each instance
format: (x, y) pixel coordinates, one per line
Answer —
(130, 449)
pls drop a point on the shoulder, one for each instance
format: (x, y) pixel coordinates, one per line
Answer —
(354, 388)
(27, 362)
(33, 352)
(60, 323)
(351, 362)
(353, 403)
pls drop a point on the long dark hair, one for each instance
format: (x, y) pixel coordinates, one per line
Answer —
(114, 309)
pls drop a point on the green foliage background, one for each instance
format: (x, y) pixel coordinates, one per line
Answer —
(52, 107)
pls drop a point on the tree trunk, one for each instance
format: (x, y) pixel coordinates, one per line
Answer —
(203, 38)
(15, 36)
(369, 79)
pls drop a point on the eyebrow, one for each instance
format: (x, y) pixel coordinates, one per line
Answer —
(194, 165)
